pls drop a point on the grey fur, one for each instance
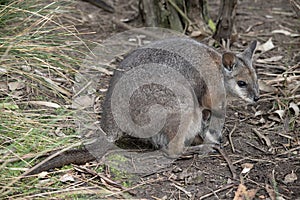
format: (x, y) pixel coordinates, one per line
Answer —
(201, 67)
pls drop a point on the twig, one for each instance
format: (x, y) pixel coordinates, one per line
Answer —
(230, 165)
(253, 159)
(180, 11)
(262, 138)
(283, 79)
(182, 189)
(136, 186)
(289, 151)
(104, 178)
(282, 98)
(286, 136)
(230, 138)
(218, 190)
(255, 147)
(253, 25)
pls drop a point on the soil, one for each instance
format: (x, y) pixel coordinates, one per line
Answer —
(262, 140)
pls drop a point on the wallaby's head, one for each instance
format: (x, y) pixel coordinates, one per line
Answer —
(239, 74)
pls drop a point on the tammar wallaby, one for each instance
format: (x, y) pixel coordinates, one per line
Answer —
(205, 70)
(206, 74)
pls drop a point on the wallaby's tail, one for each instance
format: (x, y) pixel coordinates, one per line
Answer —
(73, 156)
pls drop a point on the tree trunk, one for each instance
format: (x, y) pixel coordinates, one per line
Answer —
(164, 13)
(227, 12)
(175, 14)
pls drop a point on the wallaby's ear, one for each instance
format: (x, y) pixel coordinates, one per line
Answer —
(248, 53)
(228, 60)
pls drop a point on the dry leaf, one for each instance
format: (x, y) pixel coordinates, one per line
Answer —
(240, 192)
(66, 178)
(3, 71)
(280, 113)
(280, 198)
(55, 86)
(246, 167)
(42, 175)
(263, 86)
(26, 68)
(262, 120)
(3, 86)
(266, 46)
(268, 60)
(295, 108)
(103, 90)
(287, 33)
(45, 103)
(263, 137)
(290, 178)
(196, 33)
(270, 191)
(274, 118)
(257, 113)
(251, 193)
(15, 86)
(82, 102)
(17, 94)
(102, 70)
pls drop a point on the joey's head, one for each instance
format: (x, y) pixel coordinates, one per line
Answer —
(239, 74)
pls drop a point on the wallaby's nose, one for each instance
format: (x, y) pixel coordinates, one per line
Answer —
(256, 98)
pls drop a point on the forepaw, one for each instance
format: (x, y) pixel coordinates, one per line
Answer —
(213, 137)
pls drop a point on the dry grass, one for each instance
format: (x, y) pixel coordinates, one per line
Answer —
(39, 57)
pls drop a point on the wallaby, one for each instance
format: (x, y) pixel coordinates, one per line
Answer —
(196, 100)
(205, 70)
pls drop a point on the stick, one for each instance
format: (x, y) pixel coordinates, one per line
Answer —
(183, 190)
(218, 190)
(180, 11)
(230, 138)
(230, 165)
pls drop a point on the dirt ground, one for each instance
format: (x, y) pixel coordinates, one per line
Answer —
(262, 145)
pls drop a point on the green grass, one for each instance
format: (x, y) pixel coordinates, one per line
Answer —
(37, 49)
(42, 50)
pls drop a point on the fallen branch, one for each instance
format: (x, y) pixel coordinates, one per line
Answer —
(230, 165)
(218, 190)
(230, 138)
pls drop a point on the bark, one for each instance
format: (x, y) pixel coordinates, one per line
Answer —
(164, 13)
(227, 12)
(204, 10)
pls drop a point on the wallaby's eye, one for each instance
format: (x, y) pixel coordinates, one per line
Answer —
(242, 84)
